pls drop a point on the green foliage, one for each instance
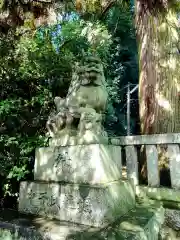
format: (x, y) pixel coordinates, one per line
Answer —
(36, 68)
(122, 68)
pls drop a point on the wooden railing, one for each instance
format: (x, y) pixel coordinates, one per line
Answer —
(150, 143)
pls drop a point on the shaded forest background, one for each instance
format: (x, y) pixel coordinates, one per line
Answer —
(37, 57)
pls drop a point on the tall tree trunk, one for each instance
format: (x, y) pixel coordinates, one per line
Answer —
(159, 69)
(159, 63)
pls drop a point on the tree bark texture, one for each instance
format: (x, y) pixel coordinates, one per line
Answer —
(159, 68)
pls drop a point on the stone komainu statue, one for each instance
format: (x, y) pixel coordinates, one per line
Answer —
(79, 116)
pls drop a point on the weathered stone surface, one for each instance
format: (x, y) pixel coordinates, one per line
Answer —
(94, 163)
(95, 206)
(132, 164)
(42, 229)
(161, 194)
(174, 163)
(152, 166)
(171, 227)
(142, 223)
(81, 113)
(73, 141)
(172, 219)
(169, 138)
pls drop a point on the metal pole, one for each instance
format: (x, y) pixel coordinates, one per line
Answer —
(128, 109)
(134, 89)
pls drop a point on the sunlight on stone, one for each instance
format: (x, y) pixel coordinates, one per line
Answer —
(177, 157)
(98, 173)
(44, 157)
(47, 173)
(62, 200)
(138, 191)
(134, 178)
(153, 190)
(130, 226)
(130, 137)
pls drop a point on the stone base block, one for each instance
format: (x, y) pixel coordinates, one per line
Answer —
(92, 164)
(142, 223)
(83, 204)
(43, 229)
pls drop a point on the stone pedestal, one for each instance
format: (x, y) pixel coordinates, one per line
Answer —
(92, 164)
(90, 205)
(80, 184)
